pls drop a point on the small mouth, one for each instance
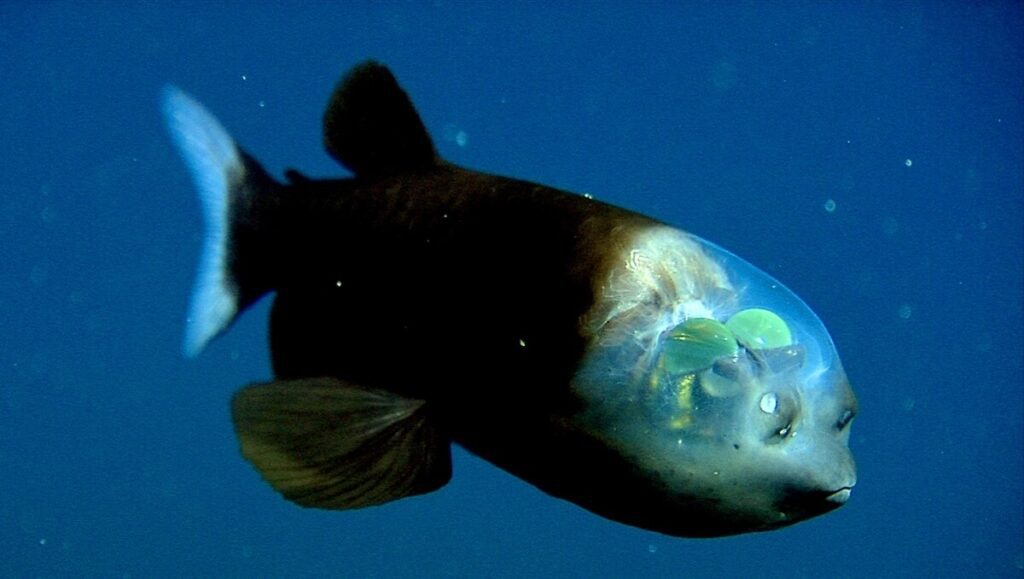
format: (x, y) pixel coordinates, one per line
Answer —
(812, 503)
(840, 496)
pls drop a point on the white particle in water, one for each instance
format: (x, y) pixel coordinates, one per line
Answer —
(454, 134)
(905, 311)
(908, 162)
(830, 206)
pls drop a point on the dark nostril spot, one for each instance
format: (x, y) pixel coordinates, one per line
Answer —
(844, 419)
(727, 368)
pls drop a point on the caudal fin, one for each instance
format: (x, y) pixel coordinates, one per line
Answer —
(224, 177)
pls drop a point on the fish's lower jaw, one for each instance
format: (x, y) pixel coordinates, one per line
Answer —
(840, 496)
(809, 504)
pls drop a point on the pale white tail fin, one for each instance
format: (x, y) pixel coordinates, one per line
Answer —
(216, 166)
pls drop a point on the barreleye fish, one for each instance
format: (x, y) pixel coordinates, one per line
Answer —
(606, 357)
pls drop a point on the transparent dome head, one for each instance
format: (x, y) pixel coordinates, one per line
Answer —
(691, 345)
(719, 388)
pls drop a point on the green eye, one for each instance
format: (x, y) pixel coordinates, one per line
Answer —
(695, 345)
(760, 329)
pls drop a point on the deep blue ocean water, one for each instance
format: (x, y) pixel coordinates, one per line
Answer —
(739, 121)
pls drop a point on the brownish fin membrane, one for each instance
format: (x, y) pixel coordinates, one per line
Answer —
(372, 128)
(324, 443)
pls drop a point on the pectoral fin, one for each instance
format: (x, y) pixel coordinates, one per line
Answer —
(324, 443)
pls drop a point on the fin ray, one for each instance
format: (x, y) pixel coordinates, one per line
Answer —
(323, 443)
(213, 160)
(235, 268)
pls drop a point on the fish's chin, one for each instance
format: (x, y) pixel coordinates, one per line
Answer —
(802, 505)
(840, 496)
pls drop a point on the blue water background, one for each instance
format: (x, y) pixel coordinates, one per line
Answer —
(739, 121)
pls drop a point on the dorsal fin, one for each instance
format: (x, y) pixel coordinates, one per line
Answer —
(371, 126)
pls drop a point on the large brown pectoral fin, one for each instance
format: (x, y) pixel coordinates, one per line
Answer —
(327, 444)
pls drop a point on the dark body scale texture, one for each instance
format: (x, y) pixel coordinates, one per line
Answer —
(418, 304)
(463, 289)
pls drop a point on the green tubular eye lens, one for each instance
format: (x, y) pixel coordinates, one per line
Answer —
(705, 351)
(698, 343)
(695, 345)
(759, 329)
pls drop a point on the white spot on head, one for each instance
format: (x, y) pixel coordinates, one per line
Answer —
(769, 403)
(696, 310)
